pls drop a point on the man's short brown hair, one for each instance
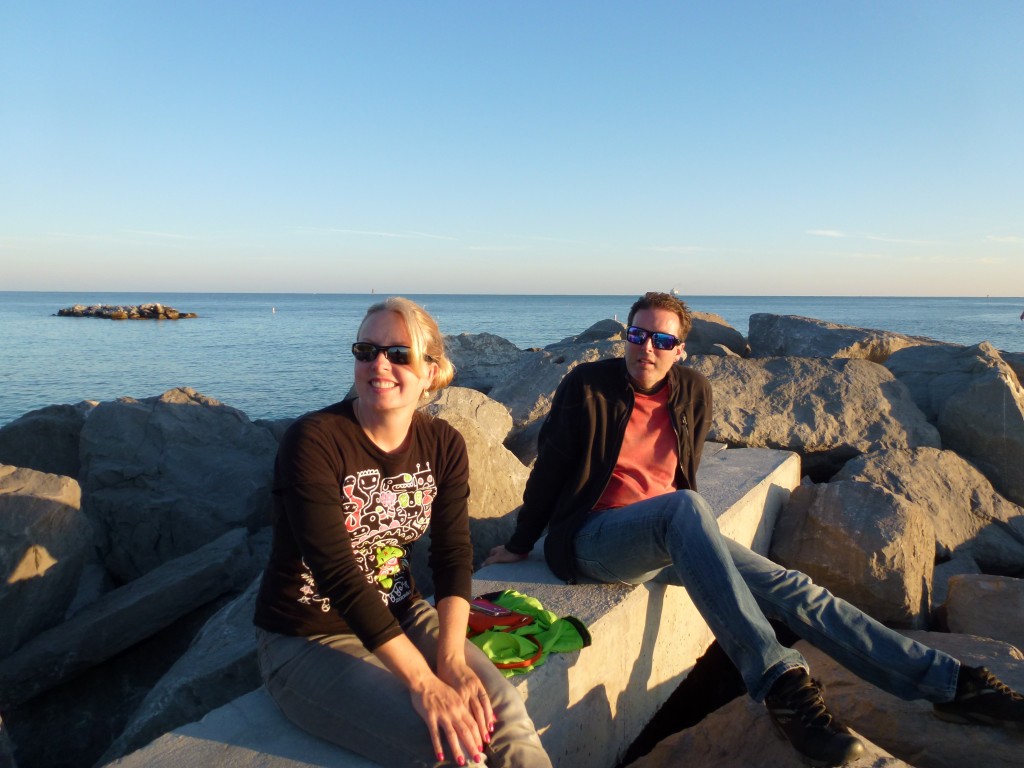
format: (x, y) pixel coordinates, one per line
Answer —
(657, 300)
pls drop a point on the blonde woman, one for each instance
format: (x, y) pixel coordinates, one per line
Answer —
(348, 648)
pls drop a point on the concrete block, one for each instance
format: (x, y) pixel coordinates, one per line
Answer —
(646, 639)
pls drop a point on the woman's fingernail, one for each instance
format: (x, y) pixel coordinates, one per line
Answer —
(492, 726)
(479, 758)
(440, 755)
(461, 760)
(487, 740)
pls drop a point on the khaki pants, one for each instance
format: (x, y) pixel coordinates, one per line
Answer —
(332, 687)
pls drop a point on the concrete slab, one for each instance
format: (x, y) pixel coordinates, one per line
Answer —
(646, 639)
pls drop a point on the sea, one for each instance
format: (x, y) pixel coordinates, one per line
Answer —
(277, 355)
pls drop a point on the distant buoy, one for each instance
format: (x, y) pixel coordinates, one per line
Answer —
(273, 309)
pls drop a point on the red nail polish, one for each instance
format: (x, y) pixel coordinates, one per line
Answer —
(479, 758)
(461, 760)
(440, 755)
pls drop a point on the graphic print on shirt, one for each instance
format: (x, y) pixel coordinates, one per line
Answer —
(383, 516)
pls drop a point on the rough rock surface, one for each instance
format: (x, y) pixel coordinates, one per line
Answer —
(151, 311)
(530, 385)
(968, 516)
(44, 542)
(741, 735)
(781, 335)
(125, 616)
(710, 331)
(165, 475)
(497, 477)
(992, 606)
(826, 410)
(908, 729)
(46, 439)
(977, 402)
(218, 667)
(864, 544)
(481, 360)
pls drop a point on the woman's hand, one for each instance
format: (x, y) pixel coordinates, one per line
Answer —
(464, 681)
(448, 716)
(501, 555)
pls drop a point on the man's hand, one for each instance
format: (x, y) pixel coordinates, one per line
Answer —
(501, 555)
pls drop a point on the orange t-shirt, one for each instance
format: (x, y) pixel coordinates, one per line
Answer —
(649, 455)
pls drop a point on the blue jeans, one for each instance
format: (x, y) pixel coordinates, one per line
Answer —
(674, 539)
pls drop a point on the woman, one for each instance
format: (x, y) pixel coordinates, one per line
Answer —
(347, 647)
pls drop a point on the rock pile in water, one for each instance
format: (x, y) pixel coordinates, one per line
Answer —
(152, 311)
(133, 532)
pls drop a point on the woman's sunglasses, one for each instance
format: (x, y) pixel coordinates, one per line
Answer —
(365, 352)
(662, 341)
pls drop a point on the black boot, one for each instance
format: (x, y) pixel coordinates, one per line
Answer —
(981, 697)
(799, 713)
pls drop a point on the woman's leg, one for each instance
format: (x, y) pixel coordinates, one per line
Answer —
(332, 687)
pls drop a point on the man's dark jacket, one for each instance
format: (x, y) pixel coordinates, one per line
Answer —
(579, 444)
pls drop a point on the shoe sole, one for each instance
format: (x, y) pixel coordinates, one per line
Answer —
(806, 760)
(976, 718)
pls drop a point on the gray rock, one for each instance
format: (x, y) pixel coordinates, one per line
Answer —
(218, 667)
(46, 439)
(908, 729)
(530, 385)
(792, 335)
(710, 334)
(969, 518)
(991, 606)
(165, 475)
(863, 543)
(984, 422)
(944, 573)
(497, 477)
(977, 402)
(277, 427)
(123, 617)
(602, 330)
(481, 360)
(826, 410)
(44, 542)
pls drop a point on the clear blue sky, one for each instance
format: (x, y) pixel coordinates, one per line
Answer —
(516, 147)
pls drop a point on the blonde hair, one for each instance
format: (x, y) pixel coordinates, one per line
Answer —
(425, 339)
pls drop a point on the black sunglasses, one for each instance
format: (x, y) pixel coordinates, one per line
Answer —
(663, 341)
(365, 352)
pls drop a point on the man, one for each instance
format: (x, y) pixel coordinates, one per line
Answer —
(615, 486)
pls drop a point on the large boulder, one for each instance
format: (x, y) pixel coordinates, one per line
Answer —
(165, 475)
(863, 543)
(977, 402)
(969, 518)
(125, 616)
(710, 334)
(46, 439)
(497, 477)
(909, 729)
(826, 410)
(218, 667)
(602, 330)
(992, 606)
(792, 335)
(44, 542)
(481, 360)
(528, 388)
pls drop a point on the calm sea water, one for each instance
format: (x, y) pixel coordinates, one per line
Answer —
(276, 355)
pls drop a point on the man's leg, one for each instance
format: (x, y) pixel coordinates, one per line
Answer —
(633, 544)
(870, 650)
(676, 536)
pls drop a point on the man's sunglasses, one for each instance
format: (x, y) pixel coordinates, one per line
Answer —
(365, 352)
(663, 341)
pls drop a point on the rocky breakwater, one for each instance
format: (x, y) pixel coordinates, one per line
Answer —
(152, 311)
(132, 532)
